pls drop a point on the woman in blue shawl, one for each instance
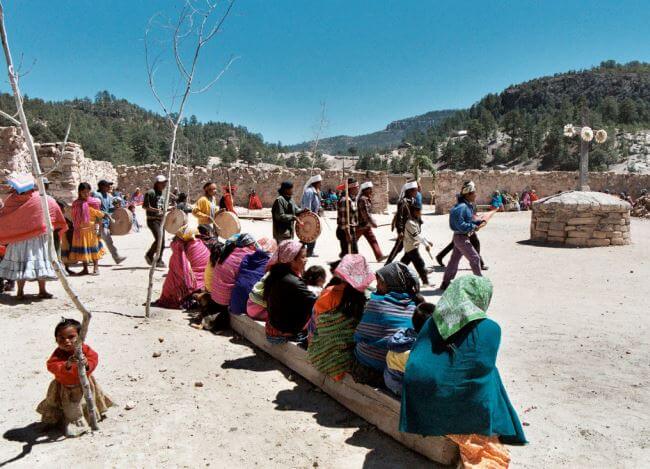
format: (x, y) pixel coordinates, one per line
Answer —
(389, 309)
(451, 382)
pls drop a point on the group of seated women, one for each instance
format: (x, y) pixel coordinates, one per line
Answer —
(440, 359)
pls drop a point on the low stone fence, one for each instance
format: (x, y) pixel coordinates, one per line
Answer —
(586, 219)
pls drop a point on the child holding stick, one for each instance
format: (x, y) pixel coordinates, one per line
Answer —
(413, 238)
(64, 403)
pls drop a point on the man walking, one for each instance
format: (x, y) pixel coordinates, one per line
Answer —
(366, 220)
(104, 194)
(409, 191)
(347, 221)
(311, 201)
(462, 223)
(153, 205)
(284, 213)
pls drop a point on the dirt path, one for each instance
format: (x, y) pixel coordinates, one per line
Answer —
(575, 358)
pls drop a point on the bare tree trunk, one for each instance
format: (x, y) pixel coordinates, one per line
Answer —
(36, 170)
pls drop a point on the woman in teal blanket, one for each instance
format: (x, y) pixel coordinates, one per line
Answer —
(451, 383)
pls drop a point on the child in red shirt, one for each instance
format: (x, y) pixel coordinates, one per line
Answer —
(64, 403)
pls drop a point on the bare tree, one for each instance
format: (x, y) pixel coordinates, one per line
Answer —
(322, 124)
(198, 23)
(20, 119)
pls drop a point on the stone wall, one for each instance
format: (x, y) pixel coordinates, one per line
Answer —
(585, 219)
(448, 183)
(67, 169)
(265, 181)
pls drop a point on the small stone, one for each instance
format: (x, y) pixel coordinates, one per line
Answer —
(162, 370)
(161, 339)
(198, 384)
(129, 405)
(156, 354)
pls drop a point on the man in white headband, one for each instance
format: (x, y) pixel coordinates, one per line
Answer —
(311, 201)
(463, 224)
(409, 192)
(346, 219)
(366, 220)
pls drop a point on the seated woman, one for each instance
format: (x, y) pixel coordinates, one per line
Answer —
(225, 268)
(251, 271)
(186, 268)
(389, 309)
(289, 301)
(335, 317)
(497, 201)
(452, 385)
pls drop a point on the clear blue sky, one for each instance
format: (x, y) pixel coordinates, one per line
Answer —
(371, 61)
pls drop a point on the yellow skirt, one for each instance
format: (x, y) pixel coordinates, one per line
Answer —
(66, 404)
(86, 246)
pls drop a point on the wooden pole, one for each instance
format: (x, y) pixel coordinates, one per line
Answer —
(583, 184)
(36, 171)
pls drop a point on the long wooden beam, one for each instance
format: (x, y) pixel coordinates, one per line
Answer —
(373, 405)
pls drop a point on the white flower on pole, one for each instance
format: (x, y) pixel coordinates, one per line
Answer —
(587, 134)
(601, 136)
(569, 130)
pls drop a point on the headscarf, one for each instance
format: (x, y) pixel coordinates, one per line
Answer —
(363, 187)
(287, 251)
(190, 230)
(21, 182)
(315, 178)
(81, 210)
(399, 278)
(408, 186)
(468, 188)
(354, 269)
(227, 189)
(238, 240)
(465, 300)
(268, 245)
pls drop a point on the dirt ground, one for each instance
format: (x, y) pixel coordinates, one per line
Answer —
(575, 359)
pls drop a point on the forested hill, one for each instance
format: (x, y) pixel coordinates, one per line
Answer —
(116, 130)
(525, 121)
(388, 138)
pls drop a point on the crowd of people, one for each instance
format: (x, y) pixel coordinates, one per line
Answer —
(374, 326)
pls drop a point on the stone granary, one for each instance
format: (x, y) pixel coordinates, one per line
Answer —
(584, 219)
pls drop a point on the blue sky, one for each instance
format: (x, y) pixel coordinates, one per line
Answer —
(370, 61)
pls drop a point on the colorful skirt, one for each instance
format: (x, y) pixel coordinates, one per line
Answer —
(66, 404)
(28, 260)
(331, 348)
(86, 247)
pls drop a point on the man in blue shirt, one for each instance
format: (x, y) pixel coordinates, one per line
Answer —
(463, 224)
(311, 201)
(104, 189)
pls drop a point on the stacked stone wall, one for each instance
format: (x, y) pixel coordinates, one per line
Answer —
(581, 219)
(265, 181)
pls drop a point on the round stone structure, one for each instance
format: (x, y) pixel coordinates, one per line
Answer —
(585, 219)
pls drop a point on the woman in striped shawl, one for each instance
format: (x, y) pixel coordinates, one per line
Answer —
(335, 316)
(389, 309)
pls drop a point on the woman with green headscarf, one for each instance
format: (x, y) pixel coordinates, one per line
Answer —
(451, 383)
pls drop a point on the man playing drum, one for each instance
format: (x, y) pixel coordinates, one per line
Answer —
(104, 194)
(284, 213)
(153, 205)
(366, 220)
(311, 201)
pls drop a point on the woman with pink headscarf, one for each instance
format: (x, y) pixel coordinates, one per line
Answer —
(336, 314)
(289, 301)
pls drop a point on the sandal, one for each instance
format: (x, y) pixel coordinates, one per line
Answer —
(46, 296)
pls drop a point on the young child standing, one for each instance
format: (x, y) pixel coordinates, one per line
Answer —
(64, 403)
(413, 238)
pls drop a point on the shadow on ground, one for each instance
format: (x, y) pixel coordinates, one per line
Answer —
(31, 435)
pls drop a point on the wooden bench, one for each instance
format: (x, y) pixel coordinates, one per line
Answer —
(371, 404)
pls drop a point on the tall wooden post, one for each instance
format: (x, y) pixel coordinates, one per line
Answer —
(583, 181)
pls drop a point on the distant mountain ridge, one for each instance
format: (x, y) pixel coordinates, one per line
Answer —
(390, 137)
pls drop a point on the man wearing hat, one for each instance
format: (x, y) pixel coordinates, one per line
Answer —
(366, 220)
(346, 219)
(284, 213)
(409, 191)
(104, 194)
(311, 201)
(463, 224)
(154, 202)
